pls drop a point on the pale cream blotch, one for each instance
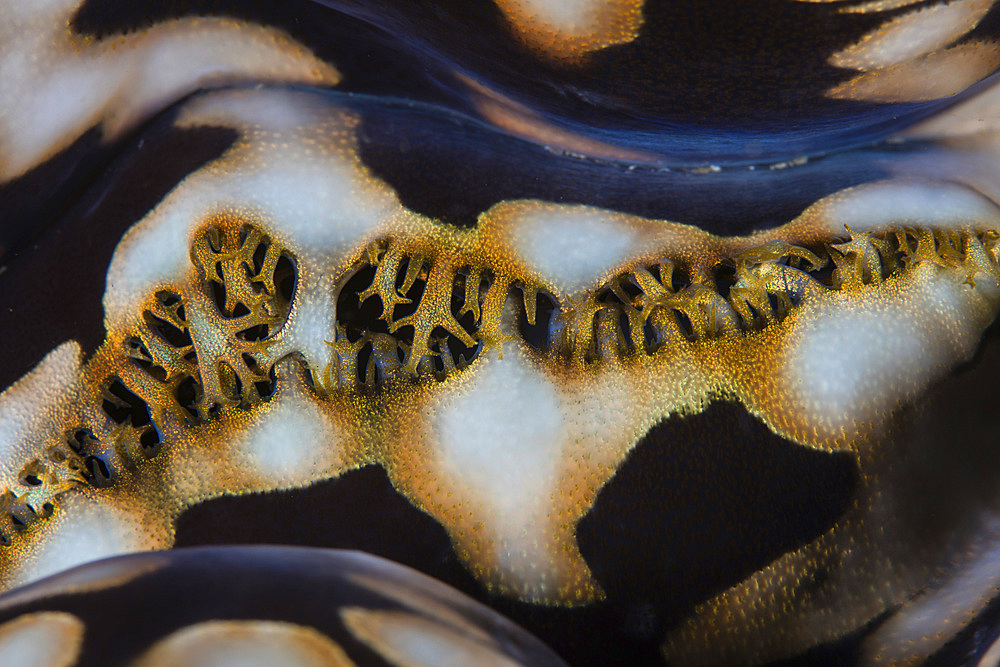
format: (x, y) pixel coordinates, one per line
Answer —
(913, 34)
(510, 460)
(296, 175)
(34, 409)
(911, 202)
(64, 83)
(43, 639)
(289, 441)
(568, 29)
(246, 644)
(412, 640)
(293, 442)
(853, 358)
(499, 443)
(571, 246)
(87, 527)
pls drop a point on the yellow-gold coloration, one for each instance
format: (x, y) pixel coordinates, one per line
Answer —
(197, 377)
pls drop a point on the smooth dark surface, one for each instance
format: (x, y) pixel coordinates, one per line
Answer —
(450, 168)
(32, 201)
(307, 587)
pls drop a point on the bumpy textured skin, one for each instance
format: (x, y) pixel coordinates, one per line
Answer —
(693, 362)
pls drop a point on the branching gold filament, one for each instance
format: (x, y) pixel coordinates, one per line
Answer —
(204, 347)
(454, 309)
(200, 348)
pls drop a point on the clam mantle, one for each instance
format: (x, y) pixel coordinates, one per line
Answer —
(694, 387)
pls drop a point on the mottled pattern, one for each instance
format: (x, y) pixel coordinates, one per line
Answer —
(672, 350)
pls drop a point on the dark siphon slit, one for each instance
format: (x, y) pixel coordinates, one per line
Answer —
(625, 326)
(82, 440)
(684, 323)
(258, 258)
(186, 394)
(776, 306)
(284, 277)
(537, 335)
(171, 334)
(167, 299)
(724, 276)
(364, 358)
(253, 334)
(97, 472)
(149, 440)
(679, 279)
(358, 318)
(266, 388)
(404, 335)
(219, 295)
(651, 337)
(122, 405)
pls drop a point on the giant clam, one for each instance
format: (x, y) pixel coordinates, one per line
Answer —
(665, 329)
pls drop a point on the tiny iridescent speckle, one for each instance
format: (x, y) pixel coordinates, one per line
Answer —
(666, 330)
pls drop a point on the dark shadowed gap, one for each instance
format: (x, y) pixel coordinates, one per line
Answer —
(702, 502)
